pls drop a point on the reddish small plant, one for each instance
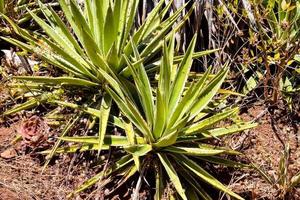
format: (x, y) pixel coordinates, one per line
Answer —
(34, 131)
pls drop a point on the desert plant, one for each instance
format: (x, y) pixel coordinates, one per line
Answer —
(260, 38)
(290, 85)
(284, 182)
(165, 124)
(91, 43)
(290, 90)
(275, 32)
(102, 29)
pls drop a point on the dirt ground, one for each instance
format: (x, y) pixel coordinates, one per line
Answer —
(21, 174)
(264, 147)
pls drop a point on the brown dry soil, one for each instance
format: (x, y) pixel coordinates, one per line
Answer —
(264, 147)
(21, 177)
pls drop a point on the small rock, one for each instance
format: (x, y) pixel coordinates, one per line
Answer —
(9, 153)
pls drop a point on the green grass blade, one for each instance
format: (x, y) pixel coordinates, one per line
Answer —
(270, 179)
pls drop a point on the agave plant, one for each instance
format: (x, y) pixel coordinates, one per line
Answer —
(162, 121)
(165, 124)
(101, 34)
(93, 40)
(103, 30)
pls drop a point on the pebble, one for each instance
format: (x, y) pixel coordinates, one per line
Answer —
(9, 153)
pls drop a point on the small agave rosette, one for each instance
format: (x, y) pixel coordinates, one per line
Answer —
(34, 131)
